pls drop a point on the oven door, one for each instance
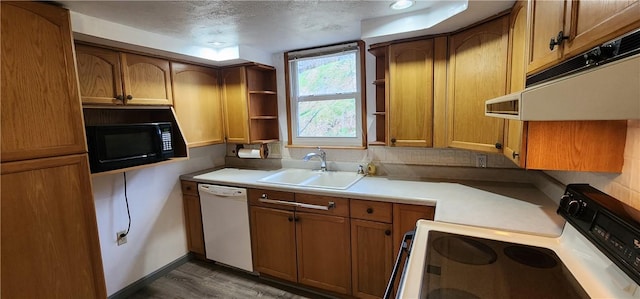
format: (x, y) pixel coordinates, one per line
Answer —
(459, 261)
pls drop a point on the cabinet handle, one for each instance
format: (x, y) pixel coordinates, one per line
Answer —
(498, 145)
(119, 97)
(558, 41)
(393, 140)
(387, 232)
(296, 219)
(515, 155)
(129, 97)
(264, 198)
(188, 188)
(290, 218)
(369, 211)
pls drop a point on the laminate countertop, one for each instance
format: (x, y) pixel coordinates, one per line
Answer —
(516, 207)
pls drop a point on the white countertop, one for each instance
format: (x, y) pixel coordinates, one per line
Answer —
(513, 207)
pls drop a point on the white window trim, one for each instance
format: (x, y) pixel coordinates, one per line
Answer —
(294, 140)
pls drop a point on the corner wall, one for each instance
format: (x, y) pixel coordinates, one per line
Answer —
(157, 235)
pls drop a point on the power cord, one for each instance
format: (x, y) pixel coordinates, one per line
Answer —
(126, 199)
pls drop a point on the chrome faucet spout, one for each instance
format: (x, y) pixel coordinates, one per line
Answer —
(320, 155)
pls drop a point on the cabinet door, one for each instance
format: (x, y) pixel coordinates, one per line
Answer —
(273, 242)
(147, 80)
(197, 104)
(477, 72)
(595, 22)
(99, 75)
(41, 113)
(50, 246)
(234, 98)
(193, 224)
(518, 50)
(372, 257)
(547, 19)
(411, 93)
(324, 254)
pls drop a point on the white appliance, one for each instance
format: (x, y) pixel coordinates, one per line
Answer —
(225, 221)
(597, 256)
(601, 84)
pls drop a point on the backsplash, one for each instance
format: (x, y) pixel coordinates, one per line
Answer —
(624, 186)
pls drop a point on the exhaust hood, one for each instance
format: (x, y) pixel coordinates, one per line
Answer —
(608, 91)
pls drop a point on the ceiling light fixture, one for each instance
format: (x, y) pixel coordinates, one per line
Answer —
(401, 4)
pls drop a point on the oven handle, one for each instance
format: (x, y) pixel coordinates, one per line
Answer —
(404, 248)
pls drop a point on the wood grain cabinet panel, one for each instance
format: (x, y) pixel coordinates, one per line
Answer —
(110, 77)
(100, 75)
(146, 79)
(324, 255)
(371, 257)
(477, 71)
(50, 246)
(197, 104)
(411, 93)
(41, 114)
(273, 239)
(193, 223)
(547, 19)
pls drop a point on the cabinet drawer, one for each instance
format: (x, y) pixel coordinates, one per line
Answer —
(339, 208)
(256, 194)
(371, 210)
(189, 188)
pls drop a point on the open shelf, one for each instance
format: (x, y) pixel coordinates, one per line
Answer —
(380, 83)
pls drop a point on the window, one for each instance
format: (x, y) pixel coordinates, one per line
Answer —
(325, 96)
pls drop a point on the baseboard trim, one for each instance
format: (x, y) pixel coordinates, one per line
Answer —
(144, 281)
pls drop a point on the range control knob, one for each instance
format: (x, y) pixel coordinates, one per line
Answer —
(574, 207)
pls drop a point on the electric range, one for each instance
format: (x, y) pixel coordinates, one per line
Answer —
(596, 256)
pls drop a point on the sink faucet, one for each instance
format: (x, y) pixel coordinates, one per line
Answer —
(323, 158)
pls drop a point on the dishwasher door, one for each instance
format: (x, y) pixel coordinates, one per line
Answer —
(225, 221)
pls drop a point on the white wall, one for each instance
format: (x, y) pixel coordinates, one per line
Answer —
(157, 236)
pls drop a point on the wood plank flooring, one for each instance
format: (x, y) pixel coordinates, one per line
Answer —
(197, 279)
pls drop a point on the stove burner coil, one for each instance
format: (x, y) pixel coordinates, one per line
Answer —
(532, 257)
(464, 250)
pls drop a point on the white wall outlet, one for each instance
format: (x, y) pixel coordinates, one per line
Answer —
(481, 161)
(121, 237)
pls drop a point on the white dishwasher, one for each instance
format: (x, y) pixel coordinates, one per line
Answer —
(225, 221)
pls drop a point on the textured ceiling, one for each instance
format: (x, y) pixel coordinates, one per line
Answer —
(272, 26)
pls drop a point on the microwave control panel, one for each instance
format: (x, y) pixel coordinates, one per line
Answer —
(166, 140)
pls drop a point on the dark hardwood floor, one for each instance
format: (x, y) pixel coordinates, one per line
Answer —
(197, 279)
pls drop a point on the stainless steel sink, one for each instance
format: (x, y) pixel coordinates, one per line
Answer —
(313, 178)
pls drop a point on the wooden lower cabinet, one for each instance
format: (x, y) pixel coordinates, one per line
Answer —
(193, 218)
(324, 258)
(50, 246)
(273, 241)
(371, 257)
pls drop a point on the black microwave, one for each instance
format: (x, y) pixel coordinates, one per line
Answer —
(126, 145)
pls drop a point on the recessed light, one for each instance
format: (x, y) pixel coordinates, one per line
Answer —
(401, 4)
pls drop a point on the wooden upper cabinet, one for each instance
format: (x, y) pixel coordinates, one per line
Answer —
(518, 53)
(584, 23)
(146, 79)
(41, 112)
(547, 19)
(250, 104)
(477, 72)
(115, 78)
(99, 75)
(411, 93)
(197, 103)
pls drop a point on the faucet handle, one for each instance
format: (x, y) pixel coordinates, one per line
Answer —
(360, 169)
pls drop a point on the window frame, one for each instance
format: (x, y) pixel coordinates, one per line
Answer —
(361, 118)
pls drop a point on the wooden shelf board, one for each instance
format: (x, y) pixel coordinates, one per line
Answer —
(262, 92)
(265, 117)
(264, 140)
(380, 113)
(377, 143)
(378, 81)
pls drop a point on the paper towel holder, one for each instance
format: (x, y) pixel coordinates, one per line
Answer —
(263, 148)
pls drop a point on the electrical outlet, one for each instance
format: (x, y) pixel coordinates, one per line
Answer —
(121, 237)
(481, 161)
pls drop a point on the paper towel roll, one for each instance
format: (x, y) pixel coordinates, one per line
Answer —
(250, 153)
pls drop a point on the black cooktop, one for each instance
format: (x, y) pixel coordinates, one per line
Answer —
(461, 267)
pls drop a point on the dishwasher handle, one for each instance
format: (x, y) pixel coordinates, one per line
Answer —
(222, 191)
(404, 248)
